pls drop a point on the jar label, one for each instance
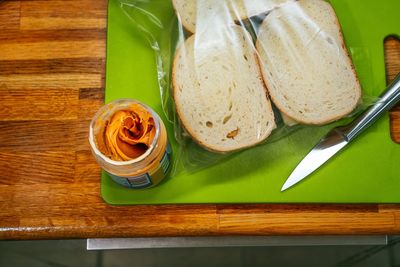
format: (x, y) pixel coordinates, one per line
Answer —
(147, 179)
(141, 181)
(165, 162)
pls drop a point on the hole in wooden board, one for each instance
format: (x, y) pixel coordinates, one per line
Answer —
(392, 65)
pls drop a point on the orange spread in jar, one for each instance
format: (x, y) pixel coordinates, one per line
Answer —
(127, 134)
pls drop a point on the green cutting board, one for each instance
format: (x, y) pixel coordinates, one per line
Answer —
(368, 171)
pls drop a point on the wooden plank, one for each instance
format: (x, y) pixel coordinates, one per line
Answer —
(91, 94)
(32, 23)
(6, 222)
(36, 15)
(288, 208)
(38, 136)
(81, 135)
(90, 101)
(392, 57)
(9, 15)
(64, 8)
(87, 169)
(37, 168)
(302, 223)
(392, 52)
(82, 199)
(62, 14)
(124, 226)
(32, 36)
(52, 66)
(395, 125)
(38, 104)
(50, 81)
(52, 49)
(6, 197)
(72, 199)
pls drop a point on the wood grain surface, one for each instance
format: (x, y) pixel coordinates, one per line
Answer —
(52, 56)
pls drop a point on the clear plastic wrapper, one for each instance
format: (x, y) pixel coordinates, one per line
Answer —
(234, 74)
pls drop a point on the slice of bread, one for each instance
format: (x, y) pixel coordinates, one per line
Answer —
(287, 120)
(218, 90)
(219, 12)
(305, 64)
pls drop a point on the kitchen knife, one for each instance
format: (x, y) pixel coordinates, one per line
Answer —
(340, 136)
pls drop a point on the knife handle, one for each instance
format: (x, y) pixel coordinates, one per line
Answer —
(386, 101)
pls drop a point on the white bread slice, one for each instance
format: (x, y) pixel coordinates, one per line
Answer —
(287, 120)
(218, 90)
(218, 12)
(305, 63)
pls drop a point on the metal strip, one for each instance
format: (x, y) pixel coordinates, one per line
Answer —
(231, 241)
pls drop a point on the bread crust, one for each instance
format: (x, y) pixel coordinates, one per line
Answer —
(187, 27)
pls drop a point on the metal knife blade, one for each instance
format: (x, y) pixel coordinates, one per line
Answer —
(323, 151)
(339, 137)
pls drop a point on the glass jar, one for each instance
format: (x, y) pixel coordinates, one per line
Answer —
(144, 171)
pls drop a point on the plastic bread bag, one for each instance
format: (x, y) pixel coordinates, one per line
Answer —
(234, 74)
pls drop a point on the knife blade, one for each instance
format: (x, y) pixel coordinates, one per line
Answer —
(341, 136)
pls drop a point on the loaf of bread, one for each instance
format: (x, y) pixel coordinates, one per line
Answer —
(202, 14)
(305, 64)
(218, 90)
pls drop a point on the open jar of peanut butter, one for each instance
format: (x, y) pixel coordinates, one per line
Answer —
(130, 143)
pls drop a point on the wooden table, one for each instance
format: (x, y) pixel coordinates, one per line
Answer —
(52, 56)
